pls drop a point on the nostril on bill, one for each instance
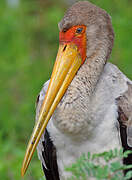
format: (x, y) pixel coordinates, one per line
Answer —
(64, 48)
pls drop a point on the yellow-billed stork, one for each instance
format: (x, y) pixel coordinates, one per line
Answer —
(87, 103)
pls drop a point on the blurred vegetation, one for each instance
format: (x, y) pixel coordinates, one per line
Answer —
(101, 166)
(28, 46)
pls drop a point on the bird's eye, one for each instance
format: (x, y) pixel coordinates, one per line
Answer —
(79, 30)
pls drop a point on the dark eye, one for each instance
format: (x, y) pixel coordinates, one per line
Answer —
(79, 30)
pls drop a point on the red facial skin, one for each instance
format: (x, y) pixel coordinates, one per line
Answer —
(71, 36)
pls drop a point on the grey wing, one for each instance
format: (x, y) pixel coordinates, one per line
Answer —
(125, 112)
(46, 149)
(124, 103)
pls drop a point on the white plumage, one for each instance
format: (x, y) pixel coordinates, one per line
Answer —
(100, 127)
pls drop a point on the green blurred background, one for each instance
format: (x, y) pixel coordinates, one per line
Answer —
(28, 46)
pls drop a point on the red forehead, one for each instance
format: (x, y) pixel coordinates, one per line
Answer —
(71, 33)
(72, 36)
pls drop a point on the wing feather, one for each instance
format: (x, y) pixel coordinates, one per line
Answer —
(124, 103)
(125, 111)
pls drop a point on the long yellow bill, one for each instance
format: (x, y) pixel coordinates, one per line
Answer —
(66, 66)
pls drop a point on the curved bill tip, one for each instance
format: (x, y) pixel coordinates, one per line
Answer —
(24, 168)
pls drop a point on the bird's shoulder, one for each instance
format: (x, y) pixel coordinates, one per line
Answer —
(113, 81)
(122, 87)
(119, 85)
(114, 76)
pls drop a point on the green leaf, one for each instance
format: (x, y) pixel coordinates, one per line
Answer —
(115, 166)
(128, 175)
(126, 153)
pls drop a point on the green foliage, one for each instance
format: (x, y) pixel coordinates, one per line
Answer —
(102, 166)
(28, 46)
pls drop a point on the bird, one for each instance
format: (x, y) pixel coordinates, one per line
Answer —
(86, 106)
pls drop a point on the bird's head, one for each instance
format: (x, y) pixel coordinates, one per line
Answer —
(97, 28)
(84, 30)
